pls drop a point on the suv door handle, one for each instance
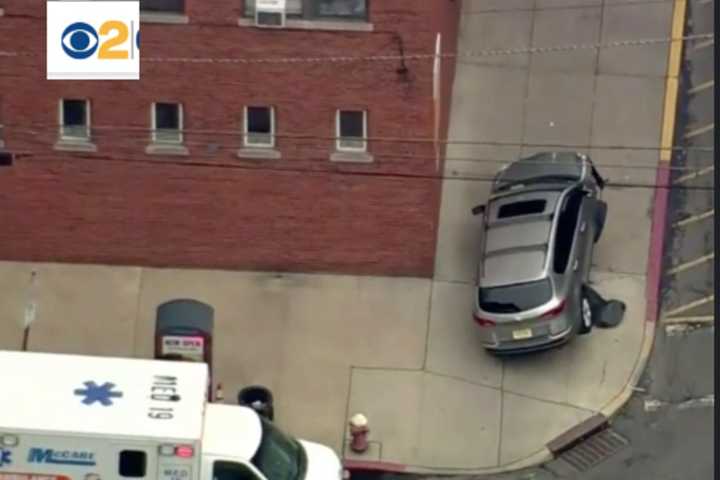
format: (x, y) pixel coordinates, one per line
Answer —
(576, 264)
(582, 227)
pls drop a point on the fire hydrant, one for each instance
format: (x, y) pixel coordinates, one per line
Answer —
(219, 395)
(359, 433)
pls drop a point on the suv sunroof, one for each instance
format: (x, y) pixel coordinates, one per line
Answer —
(516, 209)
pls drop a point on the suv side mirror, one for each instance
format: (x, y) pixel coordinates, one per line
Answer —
(478, 209)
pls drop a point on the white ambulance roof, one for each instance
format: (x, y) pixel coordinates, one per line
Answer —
(102, 395)
(231, 431)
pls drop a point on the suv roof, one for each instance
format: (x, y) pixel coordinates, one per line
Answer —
(520, 216)
(516, 237)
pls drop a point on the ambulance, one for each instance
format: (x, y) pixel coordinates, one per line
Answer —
(72, 417)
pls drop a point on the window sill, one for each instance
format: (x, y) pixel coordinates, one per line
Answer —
(259, 153)
(330, 25)
(159, 17)
(351, 157)
(166, 149)
(78, 145)
(2, 12)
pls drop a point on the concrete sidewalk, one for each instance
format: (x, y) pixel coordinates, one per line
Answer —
(467, 411)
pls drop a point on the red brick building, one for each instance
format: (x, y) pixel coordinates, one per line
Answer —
(231, 165)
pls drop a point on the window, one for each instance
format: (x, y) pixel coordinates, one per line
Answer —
(567, 221)
(74, 119)
(279, 457)
(2, 142)
(163, 6)
(259, 129)
(167, 122)
(132, 463)
(515, 298)
(516, 209)
(351, 130)
(341, 8)
(323, 9)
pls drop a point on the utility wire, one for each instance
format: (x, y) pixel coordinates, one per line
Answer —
(605, 4)
(337, 172)
(315, 152)
(406, 57)
(145, 132)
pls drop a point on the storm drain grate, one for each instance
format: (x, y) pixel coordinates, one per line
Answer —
(594, 450)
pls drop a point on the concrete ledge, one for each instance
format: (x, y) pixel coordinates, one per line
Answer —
(259, 153)
(329, 25)
(167, 18)
(351, 157)
(166, 149)
(537, 458)
(75, 146)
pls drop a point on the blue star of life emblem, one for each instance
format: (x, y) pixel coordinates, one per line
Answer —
(98, 393)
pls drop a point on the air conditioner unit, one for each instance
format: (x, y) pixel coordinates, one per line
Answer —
(270, 13)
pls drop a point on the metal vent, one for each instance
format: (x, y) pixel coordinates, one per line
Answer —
(594, 450)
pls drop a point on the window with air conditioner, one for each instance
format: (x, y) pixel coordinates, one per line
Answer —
(351, 131)
(318, 9)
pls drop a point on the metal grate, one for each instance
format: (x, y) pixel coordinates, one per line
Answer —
(594, 450)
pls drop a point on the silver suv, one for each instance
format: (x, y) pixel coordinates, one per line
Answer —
(538, 229)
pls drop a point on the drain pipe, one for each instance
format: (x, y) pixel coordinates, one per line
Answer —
(30, 311)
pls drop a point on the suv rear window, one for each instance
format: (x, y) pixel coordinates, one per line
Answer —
(515, 298)
(516, 209)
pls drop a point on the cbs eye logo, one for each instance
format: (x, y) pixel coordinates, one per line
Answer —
(80, 41)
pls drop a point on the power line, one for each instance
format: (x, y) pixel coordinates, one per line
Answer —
(38, 128)
(605, 4)
(337, 172)
(407, 57)
(313, 153)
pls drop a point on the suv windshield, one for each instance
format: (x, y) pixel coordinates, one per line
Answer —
(279, 457)
(515, 298)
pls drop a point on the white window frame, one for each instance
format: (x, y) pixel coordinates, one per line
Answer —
(338, 141)
(246, 133)
(181, 123)
(61, 122)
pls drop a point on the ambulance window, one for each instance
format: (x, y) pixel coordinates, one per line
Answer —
(133, 463)
(232, 471)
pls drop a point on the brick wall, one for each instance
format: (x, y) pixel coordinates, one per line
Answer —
(211, 209)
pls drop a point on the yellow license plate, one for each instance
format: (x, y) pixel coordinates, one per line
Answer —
(522, 334)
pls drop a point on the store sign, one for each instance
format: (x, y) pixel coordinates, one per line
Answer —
(192, 348)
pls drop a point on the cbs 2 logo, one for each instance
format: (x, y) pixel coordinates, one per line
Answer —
(80, 40)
